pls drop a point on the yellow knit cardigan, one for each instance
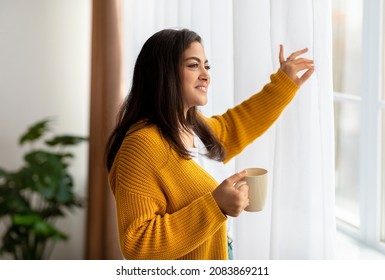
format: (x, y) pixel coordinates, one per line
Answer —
(165, 207)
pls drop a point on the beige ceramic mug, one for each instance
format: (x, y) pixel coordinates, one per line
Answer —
(256, 179)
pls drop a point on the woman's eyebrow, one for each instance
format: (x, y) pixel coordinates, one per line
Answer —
(196, 59)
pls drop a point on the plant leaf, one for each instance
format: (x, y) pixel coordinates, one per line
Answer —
(12, 202)
(64, 193)
(44, 229)
(53, 211)
(25, 219)
(35, 131)
(65, 140)
(45, 163)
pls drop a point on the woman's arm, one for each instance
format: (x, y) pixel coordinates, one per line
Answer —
(241, 125)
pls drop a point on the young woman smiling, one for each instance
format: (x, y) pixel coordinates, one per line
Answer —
(168, 206)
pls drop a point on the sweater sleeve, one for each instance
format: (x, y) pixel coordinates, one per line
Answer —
(146, 229)
(241, 125)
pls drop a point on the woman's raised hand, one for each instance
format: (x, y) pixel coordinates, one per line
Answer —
(294, 64)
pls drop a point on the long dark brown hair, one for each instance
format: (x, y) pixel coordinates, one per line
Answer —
(156, 96)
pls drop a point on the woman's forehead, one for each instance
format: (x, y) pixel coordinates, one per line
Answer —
(195, 51)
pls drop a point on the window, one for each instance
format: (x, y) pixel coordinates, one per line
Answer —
(347, 119)
(347, 67)
(359, 102)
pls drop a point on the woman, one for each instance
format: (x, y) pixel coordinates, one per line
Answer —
(168, 206)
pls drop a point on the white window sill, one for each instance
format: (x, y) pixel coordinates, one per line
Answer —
(347, 248)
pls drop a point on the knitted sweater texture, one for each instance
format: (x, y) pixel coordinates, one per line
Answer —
(165, 207)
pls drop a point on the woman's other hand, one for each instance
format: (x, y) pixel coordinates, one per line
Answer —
(293, 64)
(232, 200)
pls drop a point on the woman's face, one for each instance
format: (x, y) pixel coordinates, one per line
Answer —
(195, 76)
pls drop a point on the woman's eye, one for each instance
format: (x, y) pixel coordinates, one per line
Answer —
(196, 65)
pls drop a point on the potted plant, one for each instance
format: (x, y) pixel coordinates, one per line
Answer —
(33, 197)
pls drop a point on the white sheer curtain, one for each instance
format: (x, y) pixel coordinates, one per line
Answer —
(241, 40)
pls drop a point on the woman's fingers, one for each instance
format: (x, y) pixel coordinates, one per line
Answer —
(291, 57)
(305, 76)
(301, 61)
(293, 65)
(297, 53)
(281, 55)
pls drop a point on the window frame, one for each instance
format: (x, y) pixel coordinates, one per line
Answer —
(371, 187)
(382, 104)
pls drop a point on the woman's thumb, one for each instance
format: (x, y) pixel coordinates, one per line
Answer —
(237, 177)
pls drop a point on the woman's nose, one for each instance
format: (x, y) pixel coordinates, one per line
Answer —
(204, 75)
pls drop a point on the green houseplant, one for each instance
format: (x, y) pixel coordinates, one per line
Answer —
(33, 197)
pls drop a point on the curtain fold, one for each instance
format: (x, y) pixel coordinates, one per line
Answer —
(299, 220)
(303, 219)
(106, 96)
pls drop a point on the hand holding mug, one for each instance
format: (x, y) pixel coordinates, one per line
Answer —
(232, 200)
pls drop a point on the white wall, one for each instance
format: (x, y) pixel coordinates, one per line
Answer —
(45, 71)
